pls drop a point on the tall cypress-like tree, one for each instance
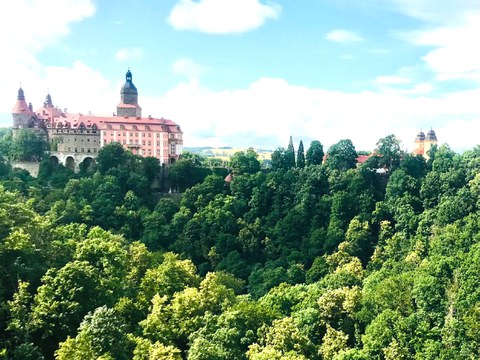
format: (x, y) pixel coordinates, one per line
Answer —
(290, 154)
(301, 155)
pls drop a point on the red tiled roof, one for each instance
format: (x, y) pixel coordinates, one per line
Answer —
(21, 107)
(362, 158)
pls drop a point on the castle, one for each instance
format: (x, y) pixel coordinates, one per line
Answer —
(423, 143)
(77, 138)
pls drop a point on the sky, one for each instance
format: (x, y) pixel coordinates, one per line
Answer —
(247, 73)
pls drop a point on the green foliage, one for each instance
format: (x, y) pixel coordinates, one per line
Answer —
(300, 155)
(28, 145)
(245, 162)
(342, 156)
(322, 261)
(315, 153)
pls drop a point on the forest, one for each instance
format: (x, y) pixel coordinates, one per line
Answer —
(316, 257)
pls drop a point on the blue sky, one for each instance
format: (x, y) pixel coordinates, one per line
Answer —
(253, 72)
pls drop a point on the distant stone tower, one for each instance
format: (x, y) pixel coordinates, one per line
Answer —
(423, 143)
(430, 140)
(420, 143)
(23, 116)
(48, 101)
(128, 106)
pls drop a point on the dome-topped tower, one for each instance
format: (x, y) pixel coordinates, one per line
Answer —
(129, 99)
(431, 135)
(21, 94)
(420, 136)
(48, 101)
(21, 112)
(129, 92)
(424, 143)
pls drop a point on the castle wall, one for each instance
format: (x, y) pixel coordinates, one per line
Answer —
(31, 167)
(84, 141)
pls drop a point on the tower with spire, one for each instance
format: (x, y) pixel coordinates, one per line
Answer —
(128, 106)
(23, 116)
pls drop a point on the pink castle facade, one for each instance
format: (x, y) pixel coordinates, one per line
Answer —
(75, 138)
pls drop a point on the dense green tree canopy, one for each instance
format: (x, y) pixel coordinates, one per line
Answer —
(323, 261)
(342, 155)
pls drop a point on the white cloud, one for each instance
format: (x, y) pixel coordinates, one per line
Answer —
(125, 54)
(450, 31)
(434, 11)
(270, 110)
(26, 38)
(222, 16)
(389, 80)
(343, 36)
(456, 55)
(33, 24)
(188, 68)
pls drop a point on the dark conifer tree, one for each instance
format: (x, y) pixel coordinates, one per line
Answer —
(290, 154)
(300, 155)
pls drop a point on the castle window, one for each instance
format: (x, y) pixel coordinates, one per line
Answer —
(149, 134)
(149, 143)
(104, 133)
(88, 140)
(143, 142)
(149, 152)
(124, 133)
(158, 135)
(76, 150)
(69, 149)
(88, 150)
(158, 152)
(131, 134)
(158, 143)
(136, 134)
(172, 149)
(94, 150)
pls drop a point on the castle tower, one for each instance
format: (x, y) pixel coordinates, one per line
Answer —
(430, 140)
(419, 144)
(48, 101)
(22, 113)
(129, 99)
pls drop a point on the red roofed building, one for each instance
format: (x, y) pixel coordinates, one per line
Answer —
(76, 137)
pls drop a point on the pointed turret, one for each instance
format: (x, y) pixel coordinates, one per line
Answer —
(48, 101)
(21, 112)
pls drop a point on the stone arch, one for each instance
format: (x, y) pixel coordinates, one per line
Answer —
(70, 163)
(54, 160)
(88, 164)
